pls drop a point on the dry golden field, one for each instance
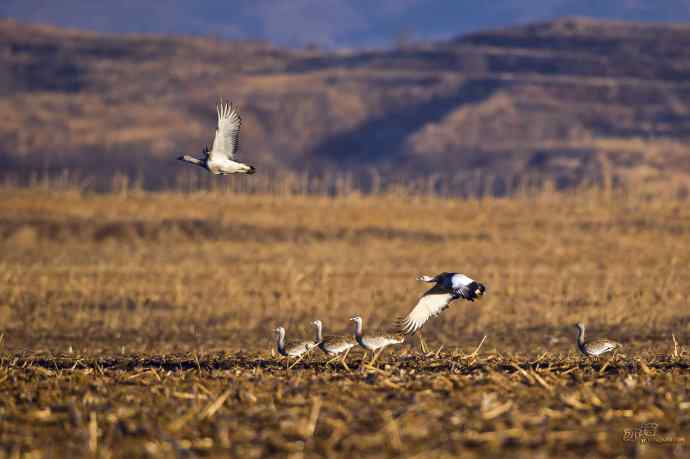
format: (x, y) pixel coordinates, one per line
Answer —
(140, 325)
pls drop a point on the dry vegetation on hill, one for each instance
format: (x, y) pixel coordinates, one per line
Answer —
(142, 322)
(547, 100)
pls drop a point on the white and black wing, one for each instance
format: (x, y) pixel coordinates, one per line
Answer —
(429, 305)
(466, 287)
(227, 139)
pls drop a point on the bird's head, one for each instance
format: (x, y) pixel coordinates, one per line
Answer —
(316, 323)
(426, 278)
(580, 326)
(356, 319)
(479, 289)
(279, 331)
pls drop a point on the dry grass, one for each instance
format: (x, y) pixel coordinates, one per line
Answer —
(141, 324)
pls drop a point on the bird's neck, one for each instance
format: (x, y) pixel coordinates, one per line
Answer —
(581, 338)
(280, 344)
(318, 333)
(358, 330)
(193, 160)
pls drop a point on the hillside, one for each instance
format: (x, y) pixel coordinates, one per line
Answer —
(572, 100)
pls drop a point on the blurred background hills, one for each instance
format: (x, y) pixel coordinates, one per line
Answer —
(572, 100)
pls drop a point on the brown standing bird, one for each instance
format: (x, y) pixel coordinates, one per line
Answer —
(595, 347)
(375, 341)
(334, 345)
(291, 348)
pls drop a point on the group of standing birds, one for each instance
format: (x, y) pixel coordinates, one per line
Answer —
(339, 346)
(221, 159)
(447, 287)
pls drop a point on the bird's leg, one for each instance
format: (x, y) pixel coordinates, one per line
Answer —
(344, 356)
(422, 344)
(299, 359)
(606, 365)
(375, 356)
(343, 360)
(332, 360)
(364, 358)
(346, 366)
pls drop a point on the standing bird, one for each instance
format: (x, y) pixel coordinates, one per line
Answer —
(447, 287)
(292, 348)
(376, 341)
(334, 345)
(220, 160)
(595, 347)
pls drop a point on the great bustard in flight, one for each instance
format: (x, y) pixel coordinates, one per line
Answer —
(334, 345)
(447, 287)
(220, 159)
(292, 348)
(374, 341)
(595, 347)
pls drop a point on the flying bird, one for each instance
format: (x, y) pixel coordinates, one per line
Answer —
(595, 347)
(220, 159)
(447, 287)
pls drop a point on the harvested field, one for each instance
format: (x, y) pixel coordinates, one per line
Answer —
(140, 325)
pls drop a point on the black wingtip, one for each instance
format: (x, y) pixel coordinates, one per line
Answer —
(252, 170)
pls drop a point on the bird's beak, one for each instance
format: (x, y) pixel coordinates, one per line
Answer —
(478, 292)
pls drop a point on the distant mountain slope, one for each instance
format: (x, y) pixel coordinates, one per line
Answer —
(562, 99)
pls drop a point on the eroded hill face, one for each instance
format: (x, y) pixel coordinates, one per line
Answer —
(568, 100)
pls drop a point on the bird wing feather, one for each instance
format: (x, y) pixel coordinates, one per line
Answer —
(337, 342)
(378, 341)
(227, 139)
(338, 338)
(461, 280)
(298, 347)
(429, 305)
(461, 286)
(602, 345)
